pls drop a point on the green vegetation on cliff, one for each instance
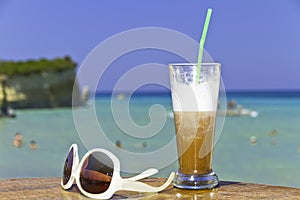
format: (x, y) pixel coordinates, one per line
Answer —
(11, 68)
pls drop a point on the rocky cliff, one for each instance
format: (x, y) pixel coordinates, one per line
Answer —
(46, 89)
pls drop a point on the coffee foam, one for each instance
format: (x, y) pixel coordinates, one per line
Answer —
(194, 97)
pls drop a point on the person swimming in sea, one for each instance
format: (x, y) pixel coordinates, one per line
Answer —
(33, 144)
(18, 140)
(118, 144)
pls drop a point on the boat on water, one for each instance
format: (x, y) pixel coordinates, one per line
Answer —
(5, 109)
(239, 110)
(7, 112)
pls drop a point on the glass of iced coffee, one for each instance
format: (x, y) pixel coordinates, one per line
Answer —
(195, 103)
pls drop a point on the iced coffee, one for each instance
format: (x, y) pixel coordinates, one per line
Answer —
(194, 106)
(194, 141)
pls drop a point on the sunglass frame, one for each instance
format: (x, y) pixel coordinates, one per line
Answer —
(117, 182)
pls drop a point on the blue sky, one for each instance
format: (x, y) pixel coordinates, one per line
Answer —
(257, 42)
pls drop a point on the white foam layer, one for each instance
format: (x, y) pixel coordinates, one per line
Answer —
(196, 97)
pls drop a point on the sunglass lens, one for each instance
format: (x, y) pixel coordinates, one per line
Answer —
(68, 167)
(96, 173)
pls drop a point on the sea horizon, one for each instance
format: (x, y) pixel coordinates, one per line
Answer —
(271, 93)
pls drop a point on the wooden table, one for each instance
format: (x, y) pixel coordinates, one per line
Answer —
(49, 188)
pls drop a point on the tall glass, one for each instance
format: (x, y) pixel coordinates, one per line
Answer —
(194, 106)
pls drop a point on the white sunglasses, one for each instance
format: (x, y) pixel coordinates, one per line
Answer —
(98, 175)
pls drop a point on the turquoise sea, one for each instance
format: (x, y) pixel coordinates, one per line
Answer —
(274, 159)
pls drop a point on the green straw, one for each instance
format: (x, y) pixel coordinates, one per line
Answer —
(202, 41)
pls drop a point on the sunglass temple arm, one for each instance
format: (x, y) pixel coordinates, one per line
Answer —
(144, 174)
(137, 186)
